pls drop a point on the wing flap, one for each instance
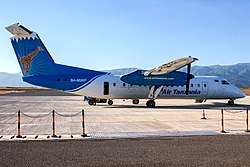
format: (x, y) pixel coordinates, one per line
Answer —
(171, 66)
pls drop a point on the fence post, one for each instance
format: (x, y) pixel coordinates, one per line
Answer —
(83, 127)
(19, 124)
(247, 120)
(222, 121)
(53, 124)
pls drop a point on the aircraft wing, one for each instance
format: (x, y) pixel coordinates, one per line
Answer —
(171, 66)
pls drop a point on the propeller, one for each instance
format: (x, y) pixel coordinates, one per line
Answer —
(188, 78)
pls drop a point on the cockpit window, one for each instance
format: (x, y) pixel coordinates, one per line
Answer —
(224, 82)
(216, 80)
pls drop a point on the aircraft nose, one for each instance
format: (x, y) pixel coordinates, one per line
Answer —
(239, 93)
(243, 94)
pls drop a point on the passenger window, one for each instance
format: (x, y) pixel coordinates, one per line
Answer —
(199, 85)
(124, 84)
(114, 84)
(216, 80)
(131, 85)
(205, 85)
(192, 85)
(224, 82)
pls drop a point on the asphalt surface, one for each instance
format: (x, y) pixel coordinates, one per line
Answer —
(170, 116)
(217, 150)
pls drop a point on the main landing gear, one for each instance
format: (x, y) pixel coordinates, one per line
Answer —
(153, 94)
(136, 101)
(150, 103)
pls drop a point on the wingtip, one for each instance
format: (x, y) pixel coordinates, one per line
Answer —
(194, 58)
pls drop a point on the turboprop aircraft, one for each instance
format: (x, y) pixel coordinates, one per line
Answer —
(38, 68)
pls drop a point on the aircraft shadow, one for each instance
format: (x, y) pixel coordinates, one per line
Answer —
(216, 105)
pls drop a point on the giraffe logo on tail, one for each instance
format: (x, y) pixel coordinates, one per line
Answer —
(26, 60)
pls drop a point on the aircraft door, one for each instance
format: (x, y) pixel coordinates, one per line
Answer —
(204, 88)
(106, 88)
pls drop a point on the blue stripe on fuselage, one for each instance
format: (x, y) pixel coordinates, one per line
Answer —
(67, 78)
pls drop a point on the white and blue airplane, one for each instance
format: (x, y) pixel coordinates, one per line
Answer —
(164, 82)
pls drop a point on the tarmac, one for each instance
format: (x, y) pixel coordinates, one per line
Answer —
(215, 150)
(172, 117)
(172, 134)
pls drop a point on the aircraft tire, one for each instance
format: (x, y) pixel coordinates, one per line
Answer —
(136, 101)
(150, 103)
(230, 102)
(91, 102)
(110, 102)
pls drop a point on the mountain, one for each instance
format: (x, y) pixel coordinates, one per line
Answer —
(13, 80)
(238, 74)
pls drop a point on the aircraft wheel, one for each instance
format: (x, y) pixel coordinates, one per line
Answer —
(91, 102)
(230, 102)
(150, 103)
(136, 101)
(110, 102)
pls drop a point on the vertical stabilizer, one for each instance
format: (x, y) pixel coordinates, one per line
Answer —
(33, 57)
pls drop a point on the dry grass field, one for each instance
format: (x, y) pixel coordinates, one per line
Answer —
(9, 90)
(246, 90)
(31, 91)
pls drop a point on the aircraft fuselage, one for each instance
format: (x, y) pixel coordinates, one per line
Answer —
(111, 87)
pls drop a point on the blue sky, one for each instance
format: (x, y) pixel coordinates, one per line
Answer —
(109, 34)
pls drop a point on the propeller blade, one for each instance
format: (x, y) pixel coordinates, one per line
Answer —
(188, 78)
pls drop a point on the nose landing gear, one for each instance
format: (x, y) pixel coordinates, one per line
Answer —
(230, 102)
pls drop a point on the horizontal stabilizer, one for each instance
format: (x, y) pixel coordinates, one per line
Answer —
(18, 30)
(171, 66)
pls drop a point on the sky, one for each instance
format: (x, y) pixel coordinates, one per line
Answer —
(110, 34)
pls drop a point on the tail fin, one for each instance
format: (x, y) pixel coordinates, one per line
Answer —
(33, 57)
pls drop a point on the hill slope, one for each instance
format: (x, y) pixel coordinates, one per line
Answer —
(238, 74)
(13, 80)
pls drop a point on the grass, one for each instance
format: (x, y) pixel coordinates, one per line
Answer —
(8, 90)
